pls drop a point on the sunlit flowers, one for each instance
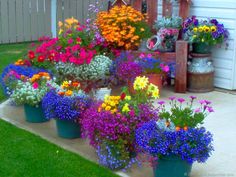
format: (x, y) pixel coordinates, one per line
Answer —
(140, 83)
(123, 26)
(110, 104)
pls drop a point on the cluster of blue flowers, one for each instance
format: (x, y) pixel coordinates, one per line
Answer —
(112, 159)
(192, 145)
(149, 63)
(64, 108)
(19, 70)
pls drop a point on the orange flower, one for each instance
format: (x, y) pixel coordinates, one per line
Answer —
(69, 93)
(61, 93)
(76, 84)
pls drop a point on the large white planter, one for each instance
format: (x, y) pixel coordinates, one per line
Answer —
(101, 93)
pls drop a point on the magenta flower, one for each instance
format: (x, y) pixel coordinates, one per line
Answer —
(210, 109)
(207, 102)
(202, 102)
(198, 110)
(172, 98)
(35, 85)
(181, 100)
(161, 102)
(70, 41)
(193, 97)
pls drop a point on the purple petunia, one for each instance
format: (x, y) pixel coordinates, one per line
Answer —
(181, 100)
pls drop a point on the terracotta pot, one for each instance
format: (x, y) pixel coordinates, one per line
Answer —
(131, 88)
(155, 79)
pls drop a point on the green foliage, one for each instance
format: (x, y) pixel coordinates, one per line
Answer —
(23, 154)
(169, 22)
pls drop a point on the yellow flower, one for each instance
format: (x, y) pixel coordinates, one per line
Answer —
(99, 109)
(203, 40)
(69, 93)
(207, 29)
(60, 31)
(213, 29)
(128, 98)
(108, 108)
(142, 29)
(200, 29)
(195, 30)
(125, 108)
(104, 105)
(60, 24)
(194, 36)
(65, 84)
(155, 94)
(140, 83)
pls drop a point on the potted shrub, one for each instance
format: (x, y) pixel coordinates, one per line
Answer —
(129, 27)
(110, 125)
(65, 104)
(30, 92)
(168, 32)
(153, 68)
(204, 34)
(177, 139)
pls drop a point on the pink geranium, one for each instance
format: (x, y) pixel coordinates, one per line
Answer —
(35, 85)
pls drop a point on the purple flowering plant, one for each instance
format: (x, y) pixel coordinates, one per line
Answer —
(110, 127)
(208, 31)
(183, 113)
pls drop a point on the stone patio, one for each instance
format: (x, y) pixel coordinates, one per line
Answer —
(221, 123)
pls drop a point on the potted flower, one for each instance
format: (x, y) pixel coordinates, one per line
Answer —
(177, 139)
(87, 74)
(153, 68)
(123, 27)
(30, 92)
(14, 72)
(204, 34)
(110, 125)
(65, 104)
(168, 32)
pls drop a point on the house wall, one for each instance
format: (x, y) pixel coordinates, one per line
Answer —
(224, 60)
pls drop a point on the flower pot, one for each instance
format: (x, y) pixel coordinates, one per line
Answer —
(201, 48)
(131, 87)
(155, 79)
(172, 166)
(101, 93)
(200, 73)
(34, 114)
(143, 46)
(68, 129)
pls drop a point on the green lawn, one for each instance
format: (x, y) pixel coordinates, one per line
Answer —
(23, 154)
(8, 54)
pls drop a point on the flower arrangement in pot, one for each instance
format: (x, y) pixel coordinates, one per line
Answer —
(15, 72)
(65, 104)
(29, 91)
(123, 27)
(153, 68)
(204, 34)
(168, 32)
(110, 125)
(177, 139)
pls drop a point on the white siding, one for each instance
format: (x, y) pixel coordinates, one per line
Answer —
(224, 60)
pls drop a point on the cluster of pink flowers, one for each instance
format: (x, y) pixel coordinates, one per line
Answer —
(168, 32)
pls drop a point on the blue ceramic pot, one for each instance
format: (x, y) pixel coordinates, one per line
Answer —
(34, 114)
(172, 166)
(68, 129)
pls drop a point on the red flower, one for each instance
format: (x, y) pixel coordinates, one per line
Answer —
(122, 96)
(31, 55)
(41, 58)
(78, 39)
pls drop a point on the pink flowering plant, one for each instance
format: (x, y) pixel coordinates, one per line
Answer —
(183, 114)
(110, 127)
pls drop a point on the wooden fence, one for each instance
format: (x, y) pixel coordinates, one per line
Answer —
(24, 20)
(27, 20)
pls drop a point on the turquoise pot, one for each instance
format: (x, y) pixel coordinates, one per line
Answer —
(201, 48)
(34, 114)
(172, 166)
(68, 129)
